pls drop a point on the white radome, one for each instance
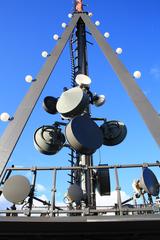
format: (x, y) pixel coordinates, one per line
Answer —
(64, 25)
(55, 37)
(137, 74)
(28, 78)
(100, 100)
(106, 35)
(4, 117)
(97, 23)
(44, 54)
(70, 15)
(119, 51)
(83, 80)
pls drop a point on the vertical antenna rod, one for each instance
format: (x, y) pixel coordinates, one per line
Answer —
(78, 6)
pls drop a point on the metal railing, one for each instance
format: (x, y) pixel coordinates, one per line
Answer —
(51, 209)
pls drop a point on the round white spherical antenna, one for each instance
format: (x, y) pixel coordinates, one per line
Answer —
(70, 15)
(99, 100)
(106, 34)
(16, 189)
(75, 193)
(97, 23)
(44, 54)
(28, 78)
(90, 14)
(137, 74)
(64, 25)
(83, 80)
(119, 51)
(4, 117)
(55, 37)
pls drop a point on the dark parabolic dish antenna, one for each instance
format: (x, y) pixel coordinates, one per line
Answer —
(149, 182)
(84, 135)
(114, 132)
(48, 140)
(103, 181)
(16, 189)
(72, 102)
(49, 104)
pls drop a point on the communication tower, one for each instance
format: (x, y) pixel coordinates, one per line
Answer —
(83, 135)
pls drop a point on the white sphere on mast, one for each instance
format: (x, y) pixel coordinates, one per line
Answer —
(137, 74)
(70, 15)
(90, 14)
(28, 78)
(55, 37)
(119, 51)
(97, 23)
(45, 54)
(106, 34)
(64, 25)
(4, 117)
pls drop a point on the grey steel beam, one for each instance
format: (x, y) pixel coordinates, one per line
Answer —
(15, 128)
(149, 115)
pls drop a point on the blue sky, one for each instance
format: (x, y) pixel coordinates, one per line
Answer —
(26, 29)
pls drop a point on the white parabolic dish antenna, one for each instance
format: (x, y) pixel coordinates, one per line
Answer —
(83, 80)
(84, 135)
(72, 102)
(16, 189)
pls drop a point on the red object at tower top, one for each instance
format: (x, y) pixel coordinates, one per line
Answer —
(79, 6)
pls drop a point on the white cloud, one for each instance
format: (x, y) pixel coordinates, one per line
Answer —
(28, 174)
(110, 200)
(40, 188)
(4, 203)
(36, 203)
(155, 72)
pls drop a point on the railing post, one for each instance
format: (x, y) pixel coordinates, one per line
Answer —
(118, 189)
(53, 193)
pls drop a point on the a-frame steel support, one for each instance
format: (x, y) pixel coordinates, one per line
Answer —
(149, 115)
(15, 128)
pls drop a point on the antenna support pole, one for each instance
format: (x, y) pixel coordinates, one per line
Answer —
(87, 181)
(78, 6)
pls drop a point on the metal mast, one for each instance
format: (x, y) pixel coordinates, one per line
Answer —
(82, 68)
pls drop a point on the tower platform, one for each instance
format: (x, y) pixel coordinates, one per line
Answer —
(87, 227)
